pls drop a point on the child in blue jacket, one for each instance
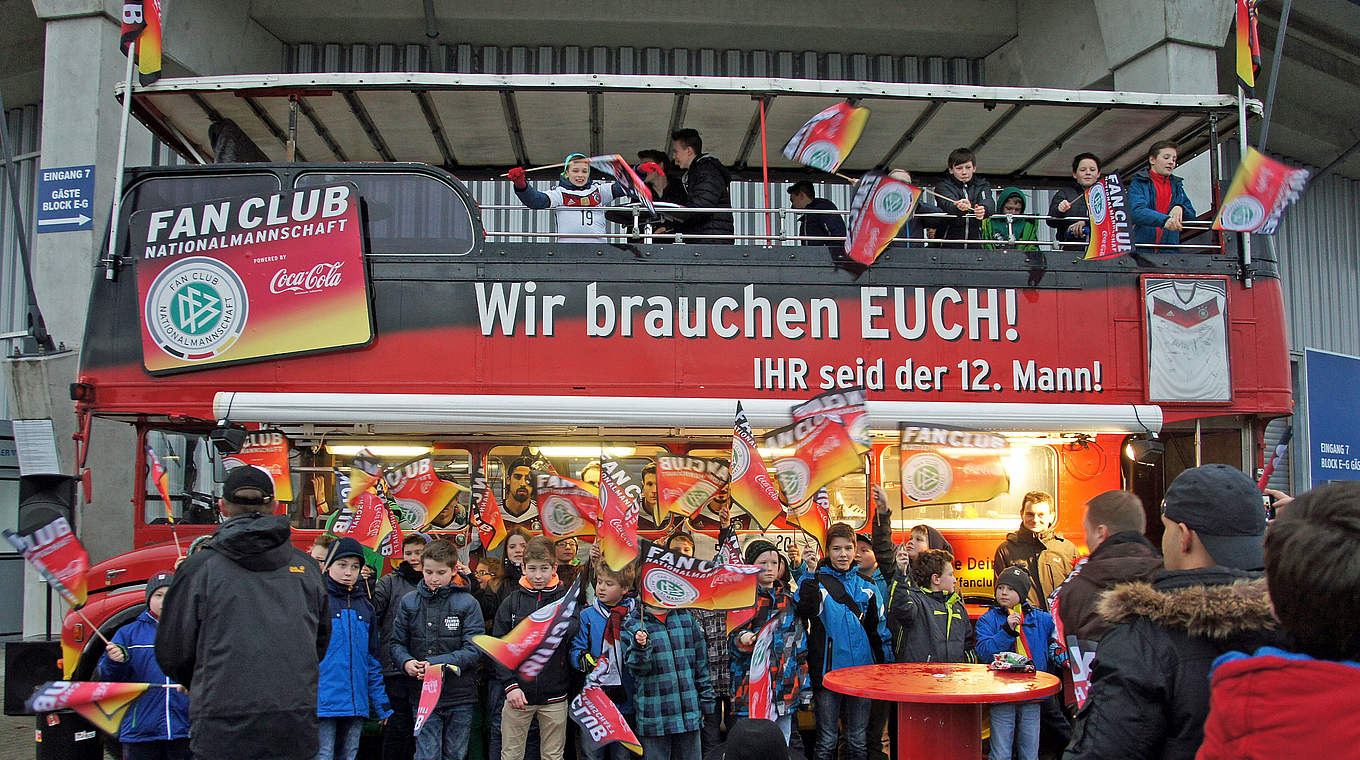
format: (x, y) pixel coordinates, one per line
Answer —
(1000, 630)
(350, 685)
(157, 726)
(602, 619)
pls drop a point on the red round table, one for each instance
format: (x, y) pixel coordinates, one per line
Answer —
(939, 705)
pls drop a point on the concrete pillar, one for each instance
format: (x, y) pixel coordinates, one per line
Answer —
(1166, 46)
(1058, 43)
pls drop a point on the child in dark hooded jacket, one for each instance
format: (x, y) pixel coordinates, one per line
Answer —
(929, 614)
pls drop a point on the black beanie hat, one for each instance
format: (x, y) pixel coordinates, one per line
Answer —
(759, 547)
(158, 581)
(1016, 578)
(344, 547)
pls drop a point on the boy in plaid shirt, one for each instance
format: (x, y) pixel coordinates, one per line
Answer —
(666, 654)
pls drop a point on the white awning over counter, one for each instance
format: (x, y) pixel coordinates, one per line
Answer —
(588, 415)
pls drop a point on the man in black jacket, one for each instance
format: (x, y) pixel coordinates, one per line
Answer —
(802, 196)
(244, 626)
(706, 186)
(1150, 684)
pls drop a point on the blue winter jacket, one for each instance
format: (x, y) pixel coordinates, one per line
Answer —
(351, 682)
(589, 639)
(438, 627)
(159, 714)
(992, 636)
(1147, 219)
(841, 637)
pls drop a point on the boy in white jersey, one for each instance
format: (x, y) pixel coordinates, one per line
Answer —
(577, 200)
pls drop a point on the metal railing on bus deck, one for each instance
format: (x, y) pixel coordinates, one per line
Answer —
(642, 231)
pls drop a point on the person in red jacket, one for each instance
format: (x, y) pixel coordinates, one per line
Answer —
(1288, 703)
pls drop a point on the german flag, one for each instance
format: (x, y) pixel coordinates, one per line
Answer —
(618, 521)
(752, 487)
(1248, 45)
(162, 480)
(102, 703)
(142, 27)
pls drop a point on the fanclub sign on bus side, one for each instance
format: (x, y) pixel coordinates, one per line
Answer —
(251, 277)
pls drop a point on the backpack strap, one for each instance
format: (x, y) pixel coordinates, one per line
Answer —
(837, 591)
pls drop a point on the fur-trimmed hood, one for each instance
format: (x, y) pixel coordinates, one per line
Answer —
(1216, 602)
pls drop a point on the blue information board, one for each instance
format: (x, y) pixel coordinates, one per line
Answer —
(65, 198)
(1333, 382)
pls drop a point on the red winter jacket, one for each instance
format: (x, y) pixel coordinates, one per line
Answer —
(1281, 704)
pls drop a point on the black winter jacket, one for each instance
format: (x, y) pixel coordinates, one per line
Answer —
(965, 225)
(244, 627)
(1077, 212)
(821, 225)
(706, 186)
(387, 596)
(438, 626)
(1122, 558)
(1150, 684)
(553, 683)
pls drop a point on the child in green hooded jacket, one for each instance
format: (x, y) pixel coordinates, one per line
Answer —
(1004, 228)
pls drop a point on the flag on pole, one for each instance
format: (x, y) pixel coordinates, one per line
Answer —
(58, 556)
(1261, 189)
(365, 472)
(162, 480)
(431, 686)
(366, 521)
(486, 510)
(685, 484)
(752, 487)
(618, 522)
(826, 139)
(812, 453)
(531, 643)
(1109, 219)
(729, 547)
(878, 209)
(946, 465)
(567, 508)
(616, 167)
(813, 517)
(1248, 44)
(845, 405)
(102, 703)
(142, 26)
(419, 491)
(671, 580)
(760, 683)
(598, 716)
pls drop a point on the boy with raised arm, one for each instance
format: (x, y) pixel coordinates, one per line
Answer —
(579, 202)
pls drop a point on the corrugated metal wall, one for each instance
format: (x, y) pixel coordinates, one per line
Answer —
(25, 127)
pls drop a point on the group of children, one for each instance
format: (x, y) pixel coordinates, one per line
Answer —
(962, 206)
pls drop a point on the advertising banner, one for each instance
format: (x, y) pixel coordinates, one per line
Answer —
(1109, 219)
(1333, 416)
(251, 278)
(267, 450)
(946, 465)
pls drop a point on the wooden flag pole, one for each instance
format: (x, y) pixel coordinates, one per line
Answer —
(538, 168)
(92, 626)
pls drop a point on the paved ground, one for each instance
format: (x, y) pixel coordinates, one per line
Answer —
(16, 733)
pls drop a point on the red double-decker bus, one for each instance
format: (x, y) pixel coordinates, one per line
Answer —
(475, 348)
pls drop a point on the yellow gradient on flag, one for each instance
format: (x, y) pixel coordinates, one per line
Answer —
(752, 487)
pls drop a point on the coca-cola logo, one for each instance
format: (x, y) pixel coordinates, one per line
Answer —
(319, 277)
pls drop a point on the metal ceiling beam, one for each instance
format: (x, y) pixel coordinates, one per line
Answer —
(436, 127)
(596, 124)
(911, 133)
(1058, 141)
(321, 130)
(997, 126)
(677, 119)
(356, 106)
(513, 125)
(1141, 138)
(752, 131)
(273, 128)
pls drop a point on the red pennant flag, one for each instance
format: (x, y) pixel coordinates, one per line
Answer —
(567, 508)
(419, 491)
(142, 25)
(738, 618)
(820, 450)
(826, 139)
(1261, 189)
(752, 487)
(367, 521)
(389, 542)
(1109, 219)
(616, 167)
(729, 548)
(846, 406)
(599, 717)
(486, 510)
(685, 484)
(365, 473)
(813, 517)
(58, 556)
(430, 688)
(102, 703)
(944, 465)
(878, 209)
(671, 580)
(761, 685)
(532, 642)
(618, 536)
(162, 480)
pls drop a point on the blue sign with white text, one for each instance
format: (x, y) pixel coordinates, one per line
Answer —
(1333, 416)
(65, 198)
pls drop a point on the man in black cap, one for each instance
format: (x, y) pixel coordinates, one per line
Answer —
(245, 624)
(1150, 684)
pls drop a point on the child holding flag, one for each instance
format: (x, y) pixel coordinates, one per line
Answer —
(665, 652)
(350, 685)
(158, 724)
(928, 614)
(576, 198)
(789, 681)
(601, 635)
(545, 697)
(434, 628)
(1014, 626)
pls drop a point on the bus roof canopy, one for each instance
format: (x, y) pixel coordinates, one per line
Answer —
(478, 125)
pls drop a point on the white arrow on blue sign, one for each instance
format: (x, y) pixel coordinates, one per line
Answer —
(65, 198)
